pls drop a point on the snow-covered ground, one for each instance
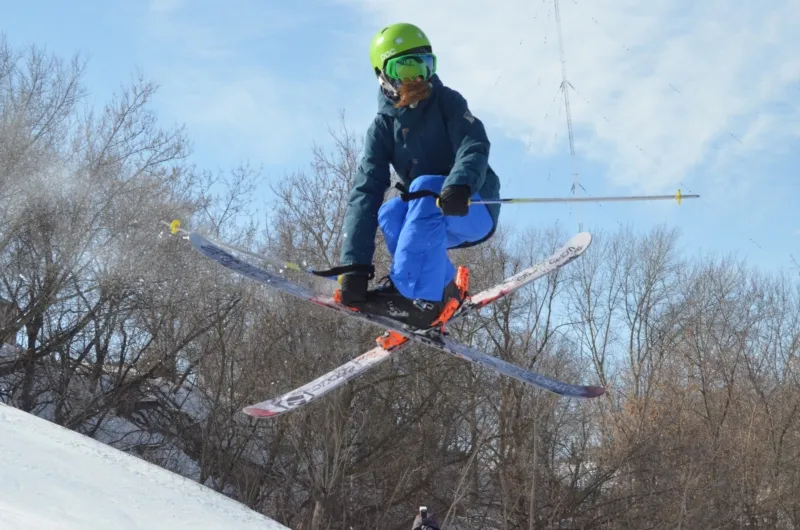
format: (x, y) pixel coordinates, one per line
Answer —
(56, 479)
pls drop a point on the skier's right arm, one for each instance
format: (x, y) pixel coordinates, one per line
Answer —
(366, 196)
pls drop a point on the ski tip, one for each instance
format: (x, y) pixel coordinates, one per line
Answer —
(258, 413)
(594, 391)
(584, 238)
(580, 242)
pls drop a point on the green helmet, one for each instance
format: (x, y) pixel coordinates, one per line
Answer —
(394, 40)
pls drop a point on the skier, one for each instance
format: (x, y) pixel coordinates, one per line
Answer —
(424, 520)
(440, 151)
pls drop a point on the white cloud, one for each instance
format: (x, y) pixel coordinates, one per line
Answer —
(660, 86)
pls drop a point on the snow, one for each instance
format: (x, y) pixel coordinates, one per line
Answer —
(56, 479)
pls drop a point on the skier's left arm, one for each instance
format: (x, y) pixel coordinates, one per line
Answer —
(469, 141)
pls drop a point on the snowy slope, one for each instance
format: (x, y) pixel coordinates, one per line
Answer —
(55, 479)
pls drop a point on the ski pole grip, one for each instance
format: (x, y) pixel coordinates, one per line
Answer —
(439, 205)
(406, 196)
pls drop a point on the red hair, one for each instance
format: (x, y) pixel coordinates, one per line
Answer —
(412, 92)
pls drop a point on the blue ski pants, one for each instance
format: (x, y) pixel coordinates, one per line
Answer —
(418, 235)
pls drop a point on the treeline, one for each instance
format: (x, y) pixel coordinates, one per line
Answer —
(126, 334)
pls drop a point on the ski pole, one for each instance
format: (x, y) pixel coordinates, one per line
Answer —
(412, 195)
(678, 197)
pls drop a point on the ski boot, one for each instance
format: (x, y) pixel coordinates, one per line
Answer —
(421, 315)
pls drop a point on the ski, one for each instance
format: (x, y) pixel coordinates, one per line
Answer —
(337, 377)
(290, 400)
(320, 386)
(344, 373)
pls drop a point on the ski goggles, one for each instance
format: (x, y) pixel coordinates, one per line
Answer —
(411, 66)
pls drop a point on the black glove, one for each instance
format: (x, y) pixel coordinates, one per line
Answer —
(454, 200)
(354, 289)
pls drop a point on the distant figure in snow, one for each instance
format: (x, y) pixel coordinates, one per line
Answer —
(425, 520)
(426, 132)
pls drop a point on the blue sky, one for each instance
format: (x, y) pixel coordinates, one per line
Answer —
(666, 94)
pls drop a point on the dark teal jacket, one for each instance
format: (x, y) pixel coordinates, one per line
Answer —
(438, 137)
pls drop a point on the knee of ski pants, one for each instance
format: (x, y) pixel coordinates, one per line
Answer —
(472, 227)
